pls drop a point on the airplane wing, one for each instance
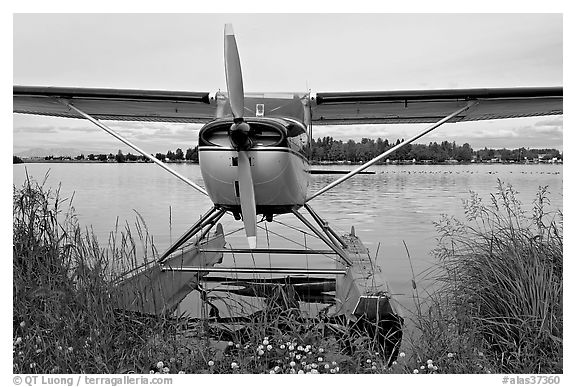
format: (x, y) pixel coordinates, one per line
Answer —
(116, 104)
(426, 106)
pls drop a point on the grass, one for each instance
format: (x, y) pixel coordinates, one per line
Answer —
(498, 307)
(498, 303)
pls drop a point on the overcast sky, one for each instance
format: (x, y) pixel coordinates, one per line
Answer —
(287, 52)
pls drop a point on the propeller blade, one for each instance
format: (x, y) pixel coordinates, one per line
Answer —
(247, 200)
(233, 73)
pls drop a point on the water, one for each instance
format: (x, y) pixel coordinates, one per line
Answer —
(397, 204)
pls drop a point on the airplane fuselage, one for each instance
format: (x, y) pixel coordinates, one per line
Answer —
(278, 160)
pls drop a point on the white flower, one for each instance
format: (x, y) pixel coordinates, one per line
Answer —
(276, 369)
(480, 353)
(234, 365)
(269, 347)
(337, 369)
(450, 354)
(402, 354)
(301, 371)
(314, 365)
(320, 350)
(211, 363)
(422, 367)
(22, 325)
(368, 361)
(292, 364)
(237, 345)
(300, 348)
(320, 359)
(435, 368)
(415, 371)
(291, 348)
(430, 366)
(152, 372)
(314, 371)
(429, 361)
(373, 367)
(32, 365)
(260, 352)
(166, 370)
(159, 365)
(394, 362)
(298, 357)
(181, 372)
(265, 342)
(59, 347)
(260, 346)
(326, 366)
(282, 346)
(70, 349)
(332, 371)
(272, 372)
(18, 340)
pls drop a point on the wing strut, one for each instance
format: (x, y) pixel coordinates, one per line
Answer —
(391, 150)
(137, 149)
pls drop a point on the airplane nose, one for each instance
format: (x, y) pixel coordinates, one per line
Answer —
(240, 135)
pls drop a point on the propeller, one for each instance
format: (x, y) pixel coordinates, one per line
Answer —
(239, 133)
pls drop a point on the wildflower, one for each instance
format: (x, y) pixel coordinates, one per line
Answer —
(333, 371)
(260, 352)
(22, 325)
(292, 371)
(230, 344)
(32, 365)
(234, 365)
(334, 363)
(172, 359)
(314, 365)
(298, 357)
(368, 361)
(160, 365)
(276, 369)
(272, 372)
(415, 371)
(450, 354)
(268, 347)
(320, 359)
(38, 340)
(282, 346)
(326, 366)
(429, 361)
(480, 353)
(70, 349)
(301, 372)
(38, 351)
(265, 342)
(152, 372)
(59, 347)
(210, 363)
(430, 366)
(237, 345)
(18, 340)
(292, 364)
(306, 349)
(435, 368)
(373, 367)
(394, 362)
(422, 367)
(337, 369)
(321, 350)
(265, 337)
(402, 354)
(166, 370)
(291, 348)
(314, 371)
(181, 372)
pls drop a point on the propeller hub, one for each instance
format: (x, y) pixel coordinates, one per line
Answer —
(240, 135)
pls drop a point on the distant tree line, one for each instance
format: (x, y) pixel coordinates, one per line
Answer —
(327, 149)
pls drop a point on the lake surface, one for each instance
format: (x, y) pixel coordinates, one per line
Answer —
(397, 204)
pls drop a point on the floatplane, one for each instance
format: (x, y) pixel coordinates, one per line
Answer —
(253, 154)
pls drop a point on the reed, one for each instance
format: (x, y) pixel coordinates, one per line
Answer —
(498, 302)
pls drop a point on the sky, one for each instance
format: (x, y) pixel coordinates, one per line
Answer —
(287, 52)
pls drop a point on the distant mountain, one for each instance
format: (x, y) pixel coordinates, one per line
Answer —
(56, 152)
